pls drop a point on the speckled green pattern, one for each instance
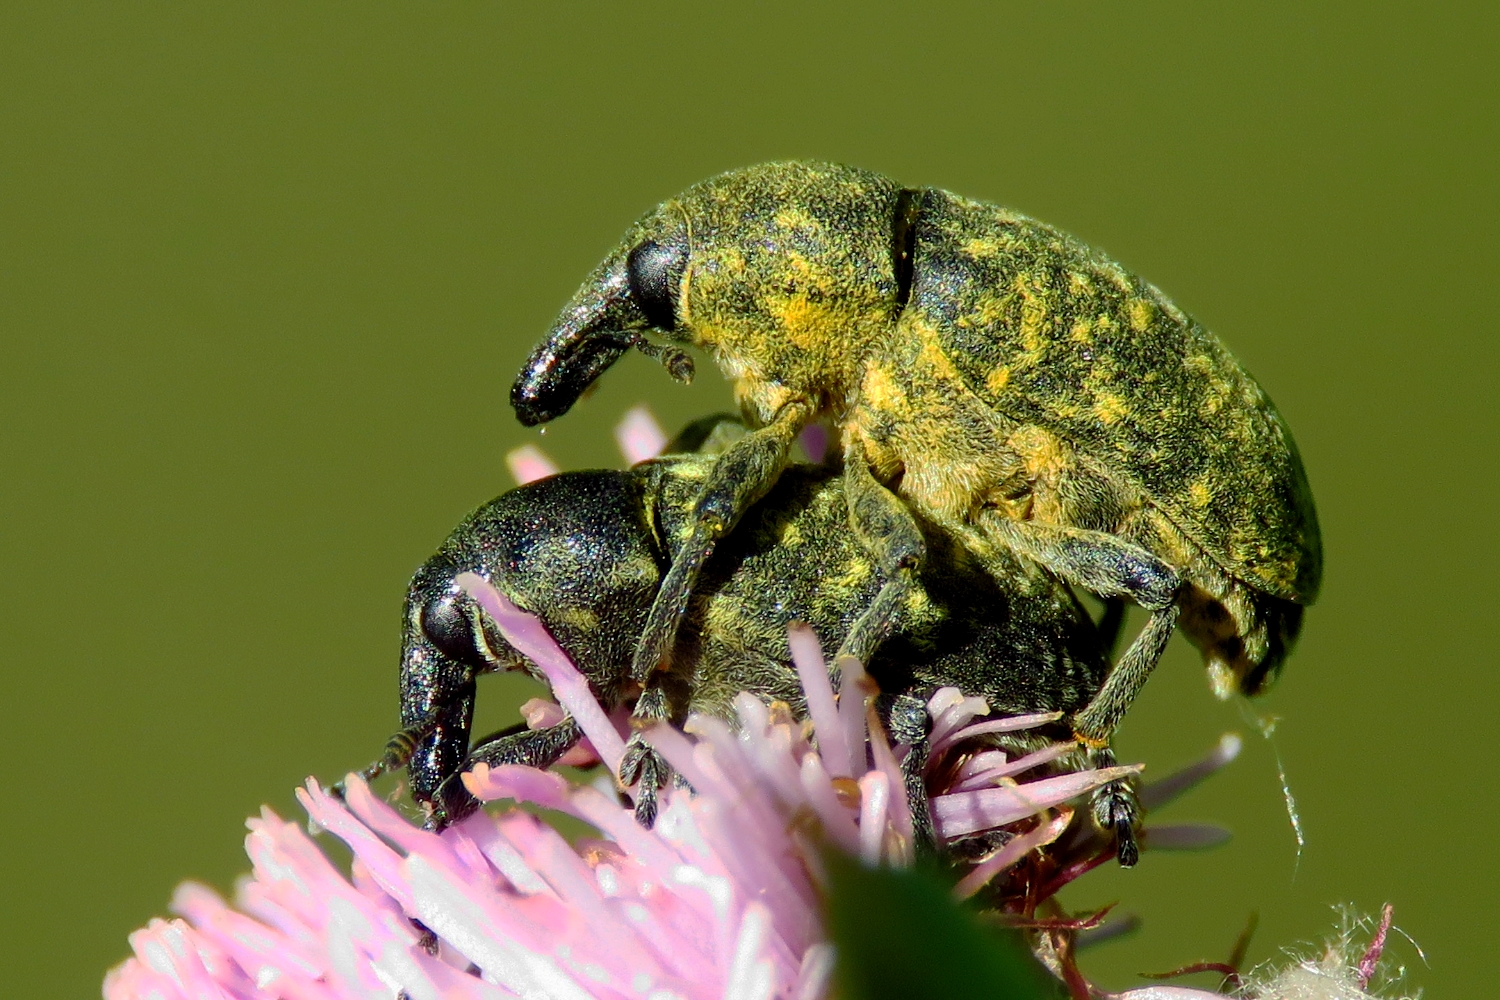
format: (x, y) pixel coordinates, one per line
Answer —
(1007, 630)
(989, 370)
(1052, 332)
(789, 267)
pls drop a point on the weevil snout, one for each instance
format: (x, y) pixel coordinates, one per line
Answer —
(559, 372)
(445, 647)
(634, 290)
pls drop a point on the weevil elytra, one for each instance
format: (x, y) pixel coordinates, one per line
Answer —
(987, 372)
(587, 552)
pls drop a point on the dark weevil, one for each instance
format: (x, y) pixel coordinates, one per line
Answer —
(587, 553)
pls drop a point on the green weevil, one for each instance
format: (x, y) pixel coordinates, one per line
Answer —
(986, 372)
(587, 553)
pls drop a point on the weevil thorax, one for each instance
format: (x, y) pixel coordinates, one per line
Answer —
(790, 277)
(577, 550)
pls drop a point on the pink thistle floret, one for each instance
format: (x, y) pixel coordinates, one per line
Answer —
(529, 463)
(639, 436)
(720, 899)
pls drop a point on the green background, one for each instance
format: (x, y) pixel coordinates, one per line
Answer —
(266, 274)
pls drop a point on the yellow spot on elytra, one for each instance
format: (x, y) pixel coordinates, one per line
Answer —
(1079, 284)
(1140, 315)
(1042, 453)
(790, 535)
(1083, 331)
(580, 618)
(634, 572)
(807, 323)
(1109, 408)
(1033, 315)
(991, 311)
(981, 247)
(788, 218)
(854, 575)
(997, 379)
(1200, 495)
(881, 390)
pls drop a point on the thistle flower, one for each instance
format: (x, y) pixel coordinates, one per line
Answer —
(719, 899)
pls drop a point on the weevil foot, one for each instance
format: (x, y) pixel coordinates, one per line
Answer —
(1117, 811)
(649, 771)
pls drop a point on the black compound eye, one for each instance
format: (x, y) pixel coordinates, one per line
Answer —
(655, 272)
(451, 631)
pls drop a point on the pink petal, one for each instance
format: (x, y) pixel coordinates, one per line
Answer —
(874, 800)
(963, 813)
(1158, 793)
(540, 713)
(1184, 837)
(814, 442)
(639, 435)
(956, 714)
(769, 748)
(530, 637)
(855, 687)
(751, 974)
(1012, 852)
(815, 973)
(1010, 724)
(900, 809)
(807, 654)
(838, 825)
(989, 775)
(529, 463)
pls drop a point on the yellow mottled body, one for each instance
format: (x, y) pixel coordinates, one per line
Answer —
(993, 372)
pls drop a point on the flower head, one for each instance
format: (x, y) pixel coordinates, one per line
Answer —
(720, 899)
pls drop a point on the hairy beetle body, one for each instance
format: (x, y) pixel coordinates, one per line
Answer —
(1007, 382)
(587, 551)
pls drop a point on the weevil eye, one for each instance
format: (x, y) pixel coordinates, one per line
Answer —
(452, 632)
(655, 272)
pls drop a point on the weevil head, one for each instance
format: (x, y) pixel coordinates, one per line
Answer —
(635, 290)
(773, 266)
(575, 549)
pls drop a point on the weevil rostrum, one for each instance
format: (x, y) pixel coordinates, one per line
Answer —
(988, 374)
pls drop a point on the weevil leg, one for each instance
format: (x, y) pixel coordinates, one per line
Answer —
(1116, 809)
(748, 469)
(540, 748)
(1110, 567)
(889, 533)
(910, 724)
(1094, 560)
(1102, 715)
(642, 765)
(398, 751)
